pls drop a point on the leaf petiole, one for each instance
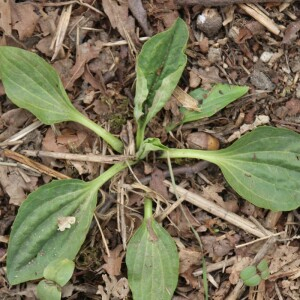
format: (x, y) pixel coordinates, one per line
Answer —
(113, 141)
(147, 208)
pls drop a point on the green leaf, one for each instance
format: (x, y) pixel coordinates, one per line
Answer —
(36, 228)
(211, 102)
(31, 83)
(52, 224)
(264, 269)
(152, 262)
(159, 68)
(250, 276)
(148, 145)
(47, 290)
(263, 166)
(60, 271)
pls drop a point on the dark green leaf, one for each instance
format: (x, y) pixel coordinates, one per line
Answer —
(159, 68)
(152, 262)
(36, 240)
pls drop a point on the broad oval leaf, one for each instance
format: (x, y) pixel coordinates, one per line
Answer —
(159, 68)
(263, 166)
(152, 262)
(31, 83)
(39, 234)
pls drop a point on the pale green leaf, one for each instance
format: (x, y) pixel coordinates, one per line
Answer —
(60, 271)
(36, 240)
(263, 166)
(159, 68)
(152, 262)
(210, 102)
(250, 276)
(31, 83)
(149, 145)
(47, 290)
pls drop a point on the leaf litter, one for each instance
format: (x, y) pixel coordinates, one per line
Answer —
(87, 67)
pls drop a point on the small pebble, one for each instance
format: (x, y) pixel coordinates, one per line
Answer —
(209, 22)
(266, 56)
(214, 55)
(261, 81)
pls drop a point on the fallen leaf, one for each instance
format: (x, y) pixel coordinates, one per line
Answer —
(119, 289)
(119, 19)
(185, 99)
(189, 258)
(24, 19)
(5, 16)
(114, 261)
(211, 192)
(234, 271)
(290, 34)
(293, 107)
(139, 12)
(65, 223)
(157, 177)
(85, 52)
(15, 186)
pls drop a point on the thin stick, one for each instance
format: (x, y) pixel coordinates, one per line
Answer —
(106, 159)
(24, 132)
(258, 240)
(223, 2)
(218, 211)
(33, 164)
(102, 236)
(259, 16)
(216, 266)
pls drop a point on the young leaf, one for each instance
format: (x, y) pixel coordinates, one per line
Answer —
(59, 271)
(250, 276)
(148, 145)
(159, 68)
(152, 261)
(31, 83)
(47, 290)
(42, 232)
(262, 166)
(211, 102)
(36, 239)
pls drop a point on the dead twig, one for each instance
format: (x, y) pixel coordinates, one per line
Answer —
(105, 159)
(33, 164)
(218, 211)
(224, 2)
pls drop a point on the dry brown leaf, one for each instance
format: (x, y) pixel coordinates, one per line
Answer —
(24, 19)
(290, 33)
(211, 192)
(15, 186)
(293, 107)
(188, 258)
(284, 259)
(113, 288)
(119, 18)
(137, 9)
(85, 52)
(114, 261)
(157, 177)
(185, 99)
(5, 16)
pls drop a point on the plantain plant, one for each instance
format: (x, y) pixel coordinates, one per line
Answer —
(262, 166)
